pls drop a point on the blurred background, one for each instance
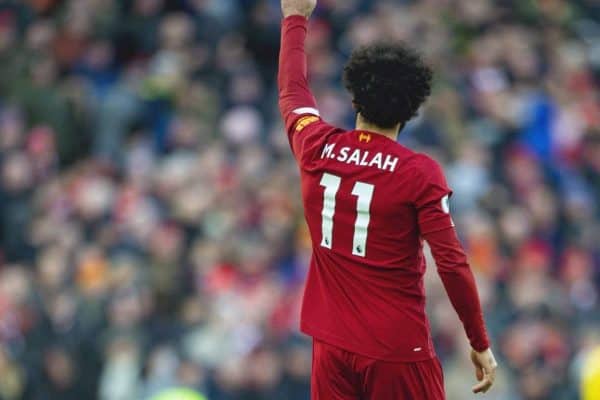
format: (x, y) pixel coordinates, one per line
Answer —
(152, 235)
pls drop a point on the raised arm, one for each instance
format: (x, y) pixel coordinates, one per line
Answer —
(295, 98)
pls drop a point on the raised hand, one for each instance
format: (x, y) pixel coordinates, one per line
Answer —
(298, 7)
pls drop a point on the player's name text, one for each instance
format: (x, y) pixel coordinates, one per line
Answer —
(361, 158)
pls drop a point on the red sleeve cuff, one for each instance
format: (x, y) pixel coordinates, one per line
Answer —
(481, 346)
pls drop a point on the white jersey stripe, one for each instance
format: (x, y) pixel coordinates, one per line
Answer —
(307, 110)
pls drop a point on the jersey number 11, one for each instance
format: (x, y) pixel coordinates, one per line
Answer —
(364, 192)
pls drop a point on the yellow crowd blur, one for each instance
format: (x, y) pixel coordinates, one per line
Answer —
(591, 376)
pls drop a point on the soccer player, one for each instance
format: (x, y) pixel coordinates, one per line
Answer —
(369, 203)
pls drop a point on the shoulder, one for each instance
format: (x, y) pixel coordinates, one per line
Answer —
(424, 161)
(309, 123)
(424, 167)
(421, 161)
(308, 135)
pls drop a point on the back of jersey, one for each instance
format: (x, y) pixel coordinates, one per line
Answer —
(368, 203)
(363, 196)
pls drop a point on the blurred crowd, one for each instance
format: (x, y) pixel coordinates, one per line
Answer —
(151, 228)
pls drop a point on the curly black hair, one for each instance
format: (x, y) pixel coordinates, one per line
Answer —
(389, 82)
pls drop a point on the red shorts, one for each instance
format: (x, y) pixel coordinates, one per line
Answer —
(340, 375)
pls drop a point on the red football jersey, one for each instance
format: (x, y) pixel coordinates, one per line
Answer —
(368, 202)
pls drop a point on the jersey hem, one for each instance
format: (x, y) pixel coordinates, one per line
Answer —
(335, 341)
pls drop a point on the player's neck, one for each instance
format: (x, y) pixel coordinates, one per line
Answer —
(363, 125)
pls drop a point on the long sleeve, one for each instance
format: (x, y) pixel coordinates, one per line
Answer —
(295, 98)
(459, 282)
